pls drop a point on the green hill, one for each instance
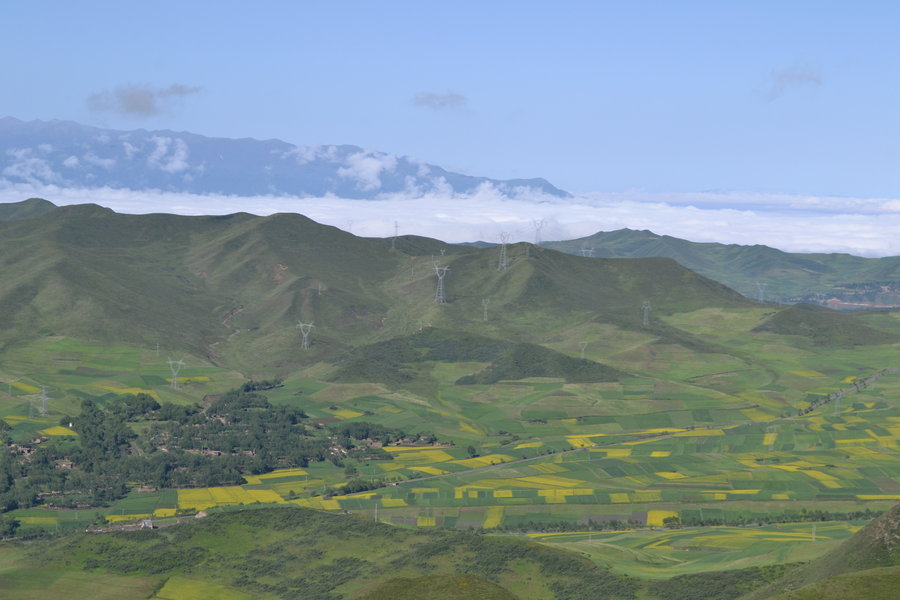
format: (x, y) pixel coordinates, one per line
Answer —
(875, 546)
(440, 587)
(24, 209)
(297, 553)
(784, 276)
(232, 288)
(871, 584)
(394, 361)
(824, 327)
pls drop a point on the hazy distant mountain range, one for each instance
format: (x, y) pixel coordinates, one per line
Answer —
(66, 153)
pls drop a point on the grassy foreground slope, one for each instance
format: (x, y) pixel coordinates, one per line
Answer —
(297, 553)
(872, 556)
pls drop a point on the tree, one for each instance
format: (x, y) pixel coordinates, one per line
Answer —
(8, 526)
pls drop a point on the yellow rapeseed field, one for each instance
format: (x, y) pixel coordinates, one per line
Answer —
(484, 461)
(528, 445)
(548, 468)
(493, 516)
(429, 470)
(24, 387)
(655, 517)
(182, 588)
(58, 430)
(120, 518)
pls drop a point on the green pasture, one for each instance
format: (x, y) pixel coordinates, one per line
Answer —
(664, 554)
(73, 370)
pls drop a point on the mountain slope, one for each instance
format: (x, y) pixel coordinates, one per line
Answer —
(70, 154)
(758, 271)
(824, 327)
(24, 209)
(234, 287)
(875, 546)
(298, 553)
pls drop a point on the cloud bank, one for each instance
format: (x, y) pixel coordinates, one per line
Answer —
(861, 226)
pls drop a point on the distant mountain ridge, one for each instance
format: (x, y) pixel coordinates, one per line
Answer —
(839, 281)
(66, 153)
(233, 287)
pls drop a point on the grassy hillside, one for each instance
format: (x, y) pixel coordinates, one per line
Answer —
(876, 546)
(298, 553)
(24, 209)
(231, 289)
(824, 327)
(871, 584)
(396, 361)
(680, 444)
(785, 276)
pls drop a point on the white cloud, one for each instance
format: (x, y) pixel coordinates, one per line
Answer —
(71, 162)
(130, 150)
(25, 166)
(366, 167)
(308, 154)
(160, 157)
(93, 159)
(774, 221)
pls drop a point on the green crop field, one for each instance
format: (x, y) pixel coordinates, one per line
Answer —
(664, 554)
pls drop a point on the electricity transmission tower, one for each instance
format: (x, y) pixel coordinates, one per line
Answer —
(41, 401)
(761, 289)
(42, 407)
(538, 223)
(587, 250)
(484, 305)
(583, 346)
(305, 328)
(175, 366)
(645, 313)
(394, 239)
(439, 292)
(504, 238)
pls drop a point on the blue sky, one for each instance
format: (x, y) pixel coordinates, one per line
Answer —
(665, 100)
